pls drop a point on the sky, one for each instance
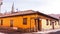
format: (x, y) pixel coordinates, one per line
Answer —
(44, 6)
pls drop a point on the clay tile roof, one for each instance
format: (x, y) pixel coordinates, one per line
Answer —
(18, 13)
(1, 14)
(25, 12)
(55, 15)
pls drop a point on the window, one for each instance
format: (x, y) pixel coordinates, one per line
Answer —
(11, 23)
(25, 21)
(47, 22)
(1, 22)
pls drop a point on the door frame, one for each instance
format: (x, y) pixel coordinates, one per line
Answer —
(11, 23)
(39, 24)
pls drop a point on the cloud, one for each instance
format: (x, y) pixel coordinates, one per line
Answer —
(45, 6)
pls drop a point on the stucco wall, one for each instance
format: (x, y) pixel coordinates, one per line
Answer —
(18, 21)
(45, 26)
(57, 25)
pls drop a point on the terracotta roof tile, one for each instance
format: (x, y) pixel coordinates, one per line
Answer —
(55, 15)
(25, 12)
(18, 13)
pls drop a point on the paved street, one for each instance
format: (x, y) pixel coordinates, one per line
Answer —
(58, 32)
(17, 32)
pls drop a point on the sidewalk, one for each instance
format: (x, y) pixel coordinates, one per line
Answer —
(2, 33)
(46, 32)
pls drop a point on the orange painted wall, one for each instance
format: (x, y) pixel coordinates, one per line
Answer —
(18, 21)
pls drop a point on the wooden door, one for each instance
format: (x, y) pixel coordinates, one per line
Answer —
(11, 23)
(52, 25)
(39, 25)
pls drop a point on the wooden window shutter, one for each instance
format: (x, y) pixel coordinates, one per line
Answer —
(50, 22)
(25, 21)
(1, 22)
(47, 22)
(55, 23)
(11, 23)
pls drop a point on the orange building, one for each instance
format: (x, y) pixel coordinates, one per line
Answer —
(29, 20)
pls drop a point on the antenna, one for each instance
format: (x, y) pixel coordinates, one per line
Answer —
(17, 9)
(1, 4)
